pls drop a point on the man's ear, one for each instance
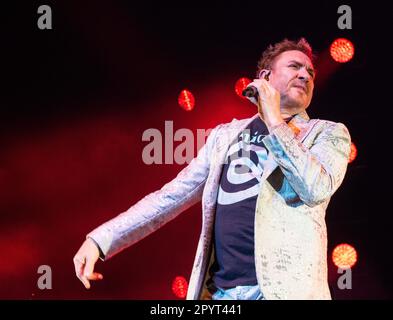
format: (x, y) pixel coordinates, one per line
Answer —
(264, 73)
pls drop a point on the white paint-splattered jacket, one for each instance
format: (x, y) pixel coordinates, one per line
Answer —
(306, 164)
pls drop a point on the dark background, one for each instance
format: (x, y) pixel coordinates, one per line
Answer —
(76, 99)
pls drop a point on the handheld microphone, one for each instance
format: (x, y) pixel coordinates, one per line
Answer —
(252, 91)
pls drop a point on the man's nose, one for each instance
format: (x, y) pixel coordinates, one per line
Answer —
(304, 75)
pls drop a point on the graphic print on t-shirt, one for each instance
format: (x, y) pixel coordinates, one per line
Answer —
(235, 211)
(242, 173)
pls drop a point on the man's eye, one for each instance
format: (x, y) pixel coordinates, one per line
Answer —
(293, 65)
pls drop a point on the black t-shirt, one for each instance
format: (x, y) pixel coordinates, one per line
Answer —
(235, 211)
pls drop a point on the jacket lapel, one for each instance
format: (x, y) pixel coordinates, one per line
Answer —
(226, 140)
(223, 143)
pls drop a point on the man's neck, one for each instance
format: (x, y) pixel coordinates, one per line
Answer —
(289, 113)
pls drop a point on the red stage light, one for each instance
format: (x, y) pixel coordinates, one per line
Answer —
(342, 50)
(353, 154)
(180, 287)
(186, 100)
(344, 256)
(240, 85)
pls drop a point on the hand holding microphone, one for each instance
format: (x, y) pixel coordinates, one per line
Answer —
(252, 91)
(267, 98)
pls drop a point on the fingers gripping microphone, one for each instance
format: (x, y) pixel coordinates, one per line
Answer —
(252, 91)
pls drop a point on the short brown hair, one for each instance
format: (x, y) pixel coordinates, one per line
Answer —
(269, 55)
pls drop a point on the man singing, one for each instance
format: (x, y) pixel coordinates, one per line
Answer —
(265, 183)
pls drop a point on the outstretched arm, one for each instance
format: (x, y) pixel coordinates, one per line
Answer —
(146, 216)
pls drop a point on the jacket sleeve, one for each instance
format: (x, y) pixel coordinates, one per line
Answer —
(157, 208)
(314, 173)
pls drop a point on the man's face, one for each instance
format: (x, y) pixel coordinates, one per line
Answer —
(292, 75)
